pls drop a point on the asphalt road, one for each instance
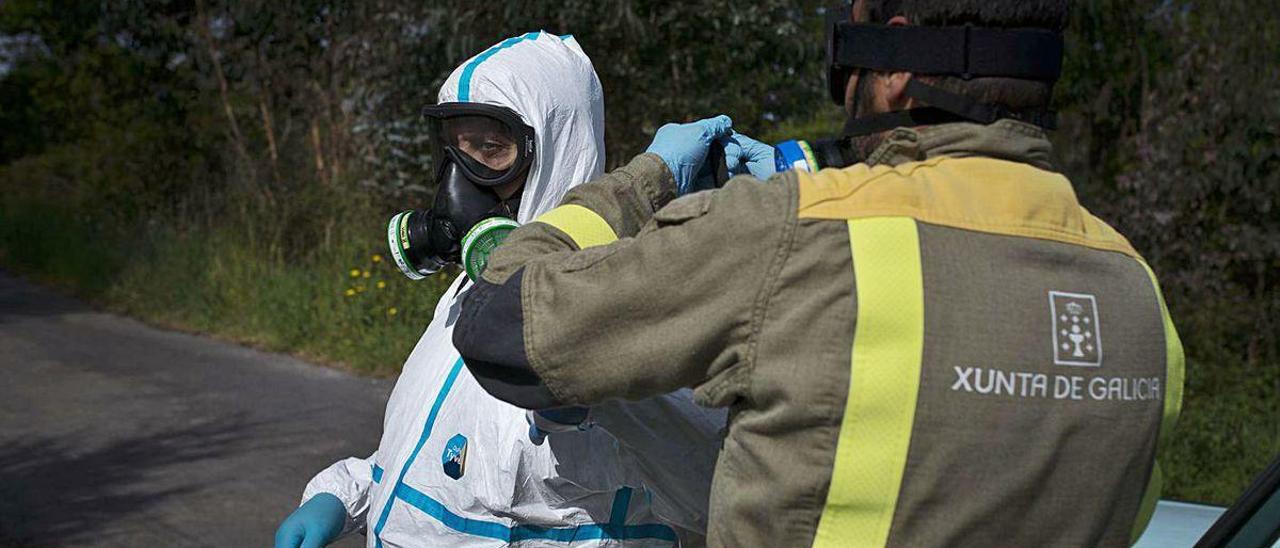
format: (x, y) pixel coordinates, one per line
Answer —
(113, 433)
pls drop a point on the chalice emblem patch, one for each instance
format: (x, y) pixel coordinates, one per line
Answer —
(1077, 337)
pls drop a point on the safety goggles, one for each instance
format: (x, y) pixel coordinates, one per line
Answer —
(489, 143)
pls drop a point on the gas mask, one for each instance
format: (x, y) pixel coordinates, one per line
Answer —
(965, 51)
(475, 149)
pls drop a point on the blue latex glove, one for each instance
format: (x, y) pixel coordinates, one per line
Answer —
(314, 524)
(743, 154)
(684, 148)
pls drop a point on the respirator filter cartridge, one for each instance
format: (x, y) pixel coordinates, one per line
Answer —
(480, 242)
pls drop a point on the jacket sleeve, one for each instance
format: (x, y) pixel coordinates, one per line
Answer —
(349, 480)
(618, 293)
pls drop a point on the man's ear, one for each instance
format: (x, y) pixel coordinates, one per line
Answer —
(895, 83)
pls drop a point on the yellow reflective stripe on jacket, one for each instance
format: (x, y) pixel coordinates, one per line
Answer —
(888, 343)
(1175, 373)
(1147, 508)
(586, 227)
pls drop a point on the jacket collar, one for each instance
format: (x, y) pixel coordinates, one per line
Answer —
(1005, 139)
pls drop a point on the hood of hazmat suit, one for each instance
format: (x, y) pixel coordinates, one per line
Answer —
(457, 467)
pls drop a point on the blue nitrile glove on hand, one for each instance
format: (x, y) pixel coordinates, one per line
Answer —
(314, 524)
(560, 419)
(743, 154)
(684, 148)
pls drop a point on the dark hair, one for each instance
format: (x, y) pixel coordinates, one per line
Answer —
(1013, 93)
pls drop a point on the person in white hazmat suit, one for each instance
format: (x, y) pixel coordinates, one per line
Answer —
(458, 467)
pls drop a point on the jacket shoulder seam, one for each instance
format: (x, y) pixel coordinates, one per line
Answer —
(772, 278)
(908, 204)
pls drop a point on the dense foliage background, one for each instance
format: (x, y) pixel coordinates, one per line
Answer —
(228, 167)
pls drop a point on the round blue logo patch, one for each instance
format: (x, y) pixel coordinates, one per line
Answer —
(454, 458)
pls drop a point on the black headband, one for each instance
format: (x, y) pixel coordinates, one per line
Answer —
(965, 51)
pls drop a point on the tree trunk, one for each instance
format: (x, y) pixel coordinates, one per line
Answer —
(233, 126)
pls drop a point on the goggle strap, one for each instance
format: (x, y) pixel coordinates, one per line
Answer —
(973, 110)
(944, 107)
(885, 121)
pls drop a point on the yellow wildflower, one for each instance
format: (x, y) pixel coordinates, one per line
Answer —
(381, 284)
(392, 311)
(360, 288)
(349, 292)
(377, 258)
(364, 274)
(355, 273)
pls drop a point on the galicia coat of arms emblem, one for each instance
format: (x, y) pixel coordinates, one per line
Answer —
(1077, 337)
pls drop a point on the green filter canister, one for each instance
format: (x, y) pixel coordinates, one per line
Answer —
(481, 240)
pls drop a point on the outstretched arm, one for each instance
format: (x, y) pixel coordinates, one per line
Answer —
(619, 294)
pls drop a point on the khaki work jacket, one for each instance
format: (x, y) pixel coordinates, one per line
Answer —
(938, 348)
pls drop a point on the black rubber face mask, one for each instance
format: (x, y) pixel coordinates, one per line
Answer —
(475, 148)
(423, 242)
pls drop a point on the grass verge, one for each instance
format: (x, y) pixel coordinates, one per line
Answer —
(346, 305)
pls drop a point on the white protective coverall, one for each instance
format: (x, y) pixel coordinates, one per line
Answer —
(640, 477)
